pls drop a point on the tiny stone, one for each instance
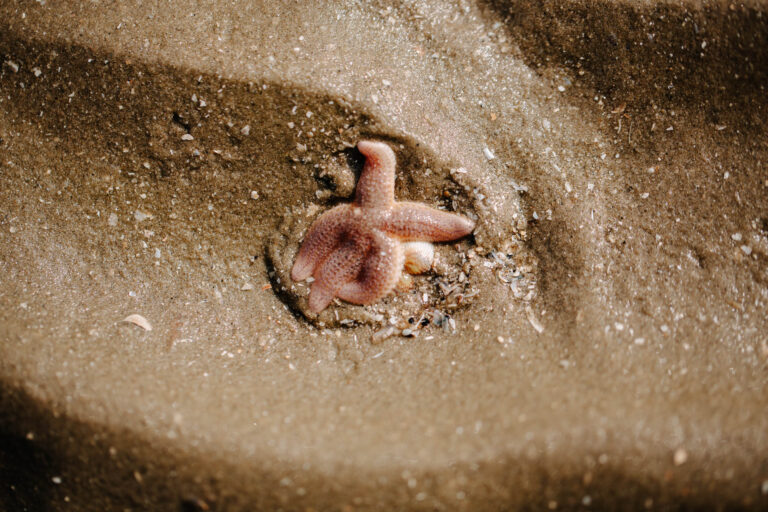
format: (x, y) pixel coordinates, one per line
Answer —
(140, 216)
(746, 249)
(680, 457)
(254, 195)
(112, 219)
(157, 253)
(187, 136)
(56, 480)
(639, 341)
(13, 229)
(245, 130)
(736, 237)
(488, 153)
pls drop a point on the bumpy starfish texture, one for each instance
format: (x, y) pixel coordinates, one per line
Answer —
(357, 251)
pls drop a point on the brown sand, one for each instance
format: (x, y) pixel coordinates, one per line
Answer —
(628, 184)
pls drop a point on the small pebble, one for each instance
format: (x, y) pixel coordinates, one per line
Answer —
(736, 237)
(680, 457)
(187, 136)
(245, 130)
(112, 219)
(56, 480)
(746, 249)
(488, 153)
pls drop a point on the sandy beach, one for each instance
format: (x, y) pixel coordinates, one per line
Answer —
(600, 341)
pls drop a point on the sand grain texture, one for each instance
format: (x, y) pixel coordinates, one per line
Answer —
(149, 156)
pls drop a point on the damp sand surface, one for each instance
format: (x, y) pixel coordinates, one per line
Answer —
(599, 341)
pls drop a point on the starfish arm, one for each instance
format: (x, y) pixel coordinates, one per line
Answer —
(322, 237)
(376, 186)
(341, 267)
(380, 273)
(417, 222)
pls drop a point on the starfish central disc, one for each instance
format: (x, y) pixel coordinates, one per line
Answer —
(357, 251)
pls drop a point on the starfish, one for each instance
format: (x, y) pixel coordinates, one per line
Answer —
(357, 251)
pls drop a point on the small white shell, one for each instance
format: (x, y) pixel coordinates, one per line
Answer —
(138, 320)
(418, 256)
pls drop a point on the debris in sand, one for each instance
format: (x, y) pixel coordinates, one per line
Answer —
(112, 219)
(138, 320)
(254, 195)
(488, 153)
(382, 334)
(533, 320)
(246, 287)
(187, 136)
(680, 457)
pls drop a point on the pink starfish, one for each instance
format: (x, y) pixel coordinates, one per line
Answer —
(356, 251)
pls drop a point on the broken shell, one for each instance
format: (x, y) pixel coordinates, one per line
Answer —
(418, 256)
(138, 320)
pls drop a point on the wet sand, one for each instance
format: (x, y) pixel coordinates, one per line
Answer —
(605, 347)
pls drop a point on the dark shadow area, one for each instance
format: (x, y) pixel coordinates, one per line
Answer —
(702, 56)
(25, 471)
(102, 469)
